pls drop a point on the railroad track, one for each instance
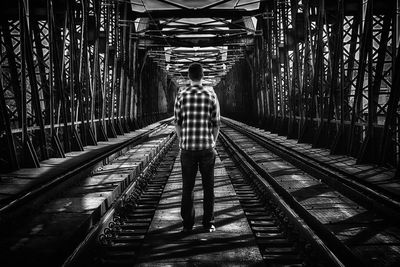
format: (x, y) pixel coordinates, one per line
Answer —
(352, 224)
(117, 238)
(39, 194)
(296, 218)
(282, 236)
(35, 236)
(381, 200)
(277, 233)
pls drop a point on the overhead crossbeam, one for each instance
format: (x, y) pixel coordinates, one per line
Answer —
(163, 37)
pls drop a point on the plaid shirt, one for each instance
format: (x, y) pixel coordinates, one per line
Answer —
(197, 112)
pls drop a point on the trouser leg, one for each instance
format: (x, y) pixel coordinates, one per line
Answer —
(207, 163)
(189, 171)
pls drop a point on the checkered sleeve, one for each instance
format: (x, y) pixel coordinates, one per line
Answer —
(215, 114)
(177, 111)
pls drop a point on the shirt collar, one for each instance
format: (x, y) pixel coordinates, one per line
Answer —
(196, 83)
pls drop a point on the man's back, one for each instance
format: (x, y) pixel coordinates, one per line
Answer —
(197, 111)
(197, 126)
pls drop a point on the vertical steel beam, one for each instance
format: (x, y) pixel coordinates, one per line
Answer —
(369, 149)
(74, 88)
(270, 85)
(119, 71)
(133, 91)
(131, 78)
(57, 48)
(53, 79)
(83, 76)
(279, 90)
(8, 160)
(250, 60)
(284, 65)
(355, 137)
(98, 103)
(124, 59)
(308, 107)
(336, 98)
(321, 76)
(39, 52)
(79, 30)
(263, 70)
(390, 141)
(85, 80)
(15, 82)
(40, 135)
(296, 74)
(30, 157)
(140, 88)
(107, 82)
(114, 101)
(349, 75)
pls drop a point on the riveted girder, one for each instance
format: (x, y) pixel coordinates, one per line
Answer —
(325, 74)
(76, 72)
(69, 78)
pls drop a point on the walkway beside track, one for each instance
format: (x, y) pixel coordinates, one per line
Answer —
(232, 244)
(378, 176)
(48, 236)
(16, 184)
(370, 234)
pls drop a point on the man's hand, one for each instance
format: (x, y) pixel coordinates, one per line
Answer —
(215, 132)
(178, 130)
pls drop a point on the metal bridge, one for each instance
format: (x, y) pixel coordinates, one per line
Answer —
(84, 81)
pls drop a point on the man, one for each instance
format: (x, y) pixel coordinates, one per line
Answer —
(197, 123)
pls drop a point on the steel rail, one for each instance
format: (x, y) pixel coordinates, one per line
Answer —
(334, 247)
(306, 232)
(43, 188)
(107, 217)
(349, 185)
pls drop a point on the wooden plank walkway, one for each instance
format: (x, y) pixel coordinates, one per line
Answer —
(232, 244)
(382, 177)
(48, 236)
(15, 184)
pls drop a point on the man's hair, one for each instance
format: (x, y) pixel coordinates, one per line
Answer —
(195, 72)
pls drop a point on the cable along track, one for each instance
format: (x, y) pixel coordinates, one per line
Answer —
(356, 234)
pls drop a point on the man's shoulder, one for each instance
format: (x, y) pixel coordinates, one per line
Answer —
(182, 89)
(210, 91)
(196, 90)
(182, 92)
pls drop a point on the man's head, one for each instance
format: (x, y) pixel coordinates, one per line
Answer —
(195, 72)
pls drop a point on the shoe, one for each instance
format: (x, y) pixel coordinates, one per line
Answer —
(210, 228)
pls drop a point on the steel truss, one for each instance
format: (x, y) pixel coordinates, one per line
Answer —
(325, 74)
(76, 72)
(68, 78)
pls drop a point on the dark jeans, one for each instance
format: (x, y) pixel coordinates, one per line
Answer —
(191, 161)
